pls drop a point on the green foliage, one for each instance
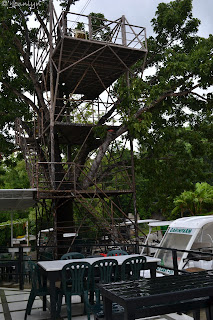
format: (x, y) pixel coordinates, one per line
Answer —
(155, 108)
(171, 121)
(5, 236)
(170, 161)
(64, 3)
(195, 202)
(100, 29)
(100, 131)
(80, 26)
(14, 174)
(5, 230)
(15, 75)
(175, 20)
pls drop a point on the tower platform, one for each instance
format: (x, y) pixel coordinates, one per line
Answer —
(89, 67)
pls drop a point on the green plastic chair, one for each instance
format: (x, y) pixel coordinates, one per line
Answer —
(116, 252)
(102, 271)
(26, 267)
(37, 288)
(6, 269)
(72, 255)
(131, 268)
(46, 256)
(75, 280)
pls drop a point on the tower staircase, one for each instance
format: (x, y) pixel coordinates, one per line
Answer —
(78, 69)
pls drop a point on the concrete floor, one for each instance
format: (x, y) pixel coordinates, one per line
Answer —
(13, 304)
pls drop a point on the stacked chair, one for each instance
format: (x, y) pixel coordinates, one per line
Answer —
(116, 252)
(72, 255)
(131, 268)
(102, 271)
(106, 273)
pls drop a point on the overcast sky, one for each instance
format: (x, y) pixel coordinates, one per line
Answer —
(140, 12)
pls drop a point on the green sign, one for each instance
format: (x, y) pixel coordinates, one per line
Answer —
(164, 270)
(181, 230)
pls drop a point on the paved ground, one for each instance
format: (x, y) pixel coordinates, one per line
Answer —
(13, 303)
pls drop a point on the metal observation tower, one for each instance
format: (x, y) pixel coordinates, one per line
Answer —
(78, 156)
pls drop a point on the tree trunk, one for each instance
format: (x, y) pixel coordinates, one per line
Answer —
(64, 224)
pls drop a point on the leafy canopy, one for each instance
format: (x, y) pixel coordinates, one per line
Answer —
(18, 80)
(154, 108)
(195, 202)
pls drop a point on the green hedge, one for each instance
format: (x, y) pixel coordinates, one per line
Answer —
(19, 228)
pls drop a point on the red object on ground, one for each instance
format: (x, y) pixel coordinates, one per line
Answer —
(103, 254)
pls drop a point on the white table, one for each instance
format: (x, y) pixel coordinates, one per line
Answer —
(16, 249)
(51, 270)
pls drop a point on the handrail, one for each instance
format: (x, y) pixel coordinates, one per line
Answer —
(64, 25)
(126, 246)
(68, 177)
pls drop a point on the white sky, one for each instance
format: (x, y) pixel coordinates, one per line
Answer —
(140, 12)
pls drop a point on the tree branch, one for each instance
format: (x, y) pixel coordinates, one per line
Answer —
(26, 32)
(198, 95)
(30, 69)
(42, 23)
(105, 117)
(162, 97)
(70, 2)
(20, 95)
(124, 128)
(95, 165)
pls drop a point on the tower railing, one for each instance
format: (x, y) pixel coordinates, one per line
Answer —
(69, 176)
(88, 28)
(85, 112)
(94, 28)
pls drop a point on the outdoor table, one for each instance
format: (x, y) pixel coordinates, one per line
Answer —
(51, 270)
(152, 297)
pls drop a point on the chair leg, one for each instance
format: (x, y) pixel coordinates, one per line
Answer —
(209, 312)
(59, 303)
(196, 314)
(69, 307)
(29, 304)
(208, 316)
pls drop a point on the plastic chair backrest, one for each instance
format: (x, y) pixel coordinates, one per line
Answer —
(116, 252)
(76, 277)
(35, 275)
(26, 260)
(46, 256)
(72, 255)
(105, 270)
(131, 267)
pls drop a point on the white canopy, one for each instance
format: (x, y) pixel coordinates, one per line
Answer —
(160, 223)
(16, 199)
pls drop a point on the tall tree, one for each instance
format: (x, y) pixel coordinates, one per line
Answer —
(180, 63)
(171, 160)
(19, 24)
(177, 93)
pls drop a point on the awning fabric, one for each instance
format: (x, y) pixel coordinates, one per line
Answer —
(17, 199)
